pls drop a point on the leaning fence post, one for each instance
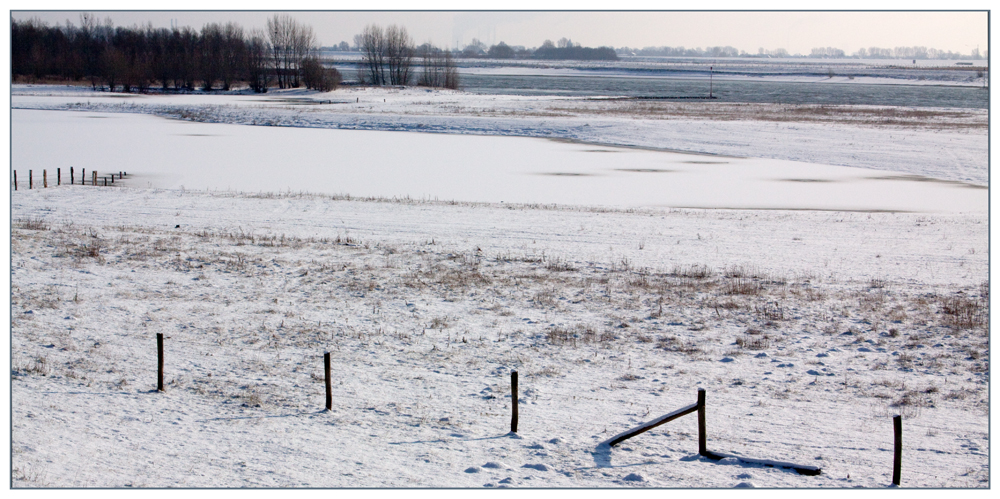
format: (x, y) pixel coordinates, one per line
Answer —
(159, 362)
(329, 388)
(513, 401)
(897, 460)
(702, 445)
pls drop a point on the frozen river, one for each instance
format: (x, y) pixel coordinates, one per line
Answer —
(165, 153)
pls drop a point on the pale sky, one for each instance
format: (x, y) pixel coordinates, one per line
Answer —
(796, 32)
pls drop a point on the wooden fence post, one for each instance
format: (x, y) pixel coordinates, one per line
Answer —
(159, 362)
(105, 181)
(58, 176)
(329, 387)
(702, 441)
(71, 175)
(15, 180)
(31, 180)
(93, 177)
(513, 401)
(897, 460)
(45, 179)
(83, 176)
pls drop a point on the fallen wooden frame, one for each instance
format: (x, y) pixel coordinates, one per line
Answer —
(699, 407)
(652, 424)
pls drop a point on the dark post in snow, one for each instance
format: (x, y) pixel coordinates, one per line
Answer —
(93, 180)
(702, 445)
(105, 181)
(45, 179)
(71, 175)
(329, 388)
(513, 401)
(159, 362)
(15, 180)
(897, 460)
(83, 176)
(58, 176)
(710, 72)
(31, 180)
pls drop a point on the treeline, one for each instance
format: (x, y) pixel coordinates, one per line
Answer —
(818, 52)
(571, 51)
(387, 58)
(564, 49)
(915, 53)
(726, 51)
(137, 59)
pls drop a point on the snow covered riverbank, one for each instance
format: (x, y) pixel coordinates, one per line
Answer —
(947, 144)
(809, 326)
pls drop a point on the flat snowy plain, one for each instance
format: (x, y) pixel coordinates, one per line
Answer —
(848, 285)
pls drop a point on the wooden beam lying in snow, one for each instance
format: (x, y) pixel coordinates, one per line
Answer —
(652, 424)
(801, 469)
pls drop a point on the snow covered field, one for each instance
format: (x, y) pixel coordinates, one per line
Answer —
(808, 326)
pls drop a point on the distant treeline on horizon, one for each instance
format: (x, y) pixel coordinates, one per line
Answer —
(819, 52)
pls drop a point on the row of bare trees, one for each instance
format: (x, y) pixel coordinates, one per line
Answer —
(388, 54)
(137, 58)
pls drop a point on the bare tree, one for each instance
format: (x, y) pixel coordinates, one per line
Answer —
(316, 77)
(279, 29)
(399, 54)
(257, 61)
(233, 54)
(303, 44)
(373, 49)
(438, 67)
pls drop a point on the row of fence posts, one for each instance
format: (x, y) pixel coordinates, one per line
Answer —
(72, 178)
(699, 407)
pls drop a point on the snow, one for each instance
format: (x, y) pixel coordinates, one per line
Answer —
(808, 316)
(947, 144)
(172, 154)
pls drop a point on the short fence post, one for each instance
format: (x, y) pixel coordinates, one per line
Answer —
(702, 444)
(15, 180)
(31, 180)
(45, 179)
(329, 387)
(93, 177)
(83, 176)
(513, 401)
(58, 176)
(105, 181)
(897, 460)
(159, 362)
(71, 175)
